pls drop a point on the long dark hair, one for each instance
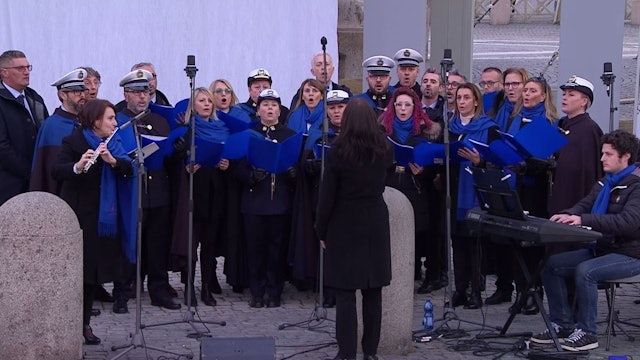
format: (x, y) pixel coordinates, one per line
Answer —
(361, 139)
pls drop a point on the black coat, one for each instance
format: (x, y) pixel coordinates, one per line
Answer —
(353, 220)
(621, 224)
(18, 134)
(101, 255)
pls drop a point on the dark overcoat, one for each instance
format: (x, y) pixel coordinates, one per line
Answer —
(353, 220)
(101, 255)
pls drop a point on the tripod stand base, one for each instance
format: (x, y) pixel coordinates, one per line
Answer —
(189, 319)
(137, 341)
(320, 315)
(450, 314)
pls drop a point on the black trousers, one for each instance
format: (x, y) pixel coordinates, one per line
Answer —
(156, 235)
(206, 233)
(266, 237)
(347, 321)
(88, 291)
(466, 263)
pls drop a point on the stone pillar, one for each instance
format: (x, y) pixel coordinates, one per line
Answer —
(41, 279)
(500, 14)
(397, 298)
(635, 12)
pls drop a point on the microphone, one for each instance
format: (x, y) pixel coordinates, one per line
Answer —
(323, 41)
(607, 76)
(191, 68)
(553, 58)
(446, 63)
(134, 119)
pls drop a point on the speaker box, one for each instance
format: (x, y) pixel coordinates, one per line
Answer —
(257, 348)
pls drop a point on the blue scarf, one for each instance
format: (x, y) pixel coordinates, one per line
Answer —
(214, 131)
(601, 204)
(536, 113)
(108, 212)
(299, 119)
(502, 117)
(488, 99)
(477, 129)
(402, 129)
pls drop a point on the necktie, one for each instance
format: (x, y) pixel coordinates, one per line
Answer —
(20, 98)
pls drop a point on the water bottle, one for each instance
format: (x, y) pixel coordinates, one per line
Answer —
(427, 320)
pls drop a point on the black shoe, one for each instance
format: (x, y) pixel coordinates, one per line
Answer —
(120, 306)
(514, 308)
(95, 312)
(103, 295)
(531, 307)
(498, 297)
(458, 298)
(369, 357)
(329, 302)
(89, 338)
(172, 292)
(206, 297)
(273, 303)
(166, 303)
(214, 286)
(475, 301)
(256, 302)
(429, 286)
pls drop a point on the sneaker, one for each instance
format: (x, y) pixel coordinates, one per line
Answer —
(580, 340)
(545, 336)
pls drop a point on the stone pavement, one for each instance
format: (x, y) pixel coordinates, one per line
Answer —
(316, 340)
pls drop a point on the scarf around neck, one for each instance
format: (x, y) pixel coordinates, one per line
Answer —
(536, 113)
(299, 119)
(601, 205)
(402, 129)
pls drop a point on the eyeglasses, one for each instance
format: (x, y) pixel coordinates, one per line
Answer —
(21, 68)
(514, 84)
(453, 84)
(488, 83)
(400, 105)
(223, 91)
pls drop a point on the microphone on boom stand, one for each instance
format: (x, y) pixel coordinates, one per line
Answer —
(608, 78)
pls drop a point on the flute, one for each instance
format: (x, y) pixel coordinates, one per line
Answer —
(94, 158)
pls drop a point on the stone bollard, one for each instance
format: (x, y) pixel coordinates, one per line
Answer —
(397, 298)
(41, 279)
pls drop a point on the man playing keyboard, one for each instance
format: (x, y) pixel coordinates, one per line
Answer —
(612, 208)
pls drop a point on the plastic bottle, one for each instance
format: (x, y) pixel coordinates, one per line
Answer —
(427, 320)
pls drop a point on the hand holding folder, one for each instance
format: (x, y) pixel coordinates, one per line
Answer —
(274, 157)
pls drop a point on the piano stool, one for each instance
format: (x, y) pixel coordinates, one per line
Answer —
(612, 316)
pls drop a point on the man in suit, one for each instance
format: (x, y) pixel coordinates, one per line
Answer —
(22, 110)
(317, 70)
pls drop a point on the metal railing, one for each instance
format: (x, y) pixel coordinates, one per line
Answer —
(526, 11)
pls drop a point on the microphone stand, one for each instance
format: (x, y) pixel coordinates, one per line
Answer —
(608, 78)
(319, 312)
(449, 312)
(189, 314)
(137, 339)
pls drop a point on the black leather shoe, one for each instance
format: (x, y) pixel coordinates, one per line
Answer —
(172, 292)
(498, 297)
(273, 303)
(214, 286)
(475, 301)
(329, 302)
(103, 295)
(531, 307)
(458, 298)
(95, 312)
(120, 306)
(206, 297)
(166, 303)
(369, 357)
(89, 338)
(256, 302)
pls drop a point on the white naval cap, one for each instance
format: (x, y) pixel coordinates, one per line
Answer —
(269, 94)
(73, 81)
(137, 80)
(581, 84)
(408, 57)
(378, 64)
(337, 97)
(258, 74)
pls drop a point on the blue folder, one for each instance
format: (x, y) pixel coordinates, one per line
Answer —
(537, 139)
(237, 145)
(155, 161)
(498, 152)
(317, 150)
(430, 153)
(236, 121)
(208, 153)
(173, 115)
(274, 157)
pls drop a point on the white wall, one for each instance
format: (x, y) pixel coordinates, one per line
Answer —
(228, 39)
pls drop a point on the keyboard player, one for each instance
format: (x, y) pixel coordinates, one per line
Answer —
(612, 208)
